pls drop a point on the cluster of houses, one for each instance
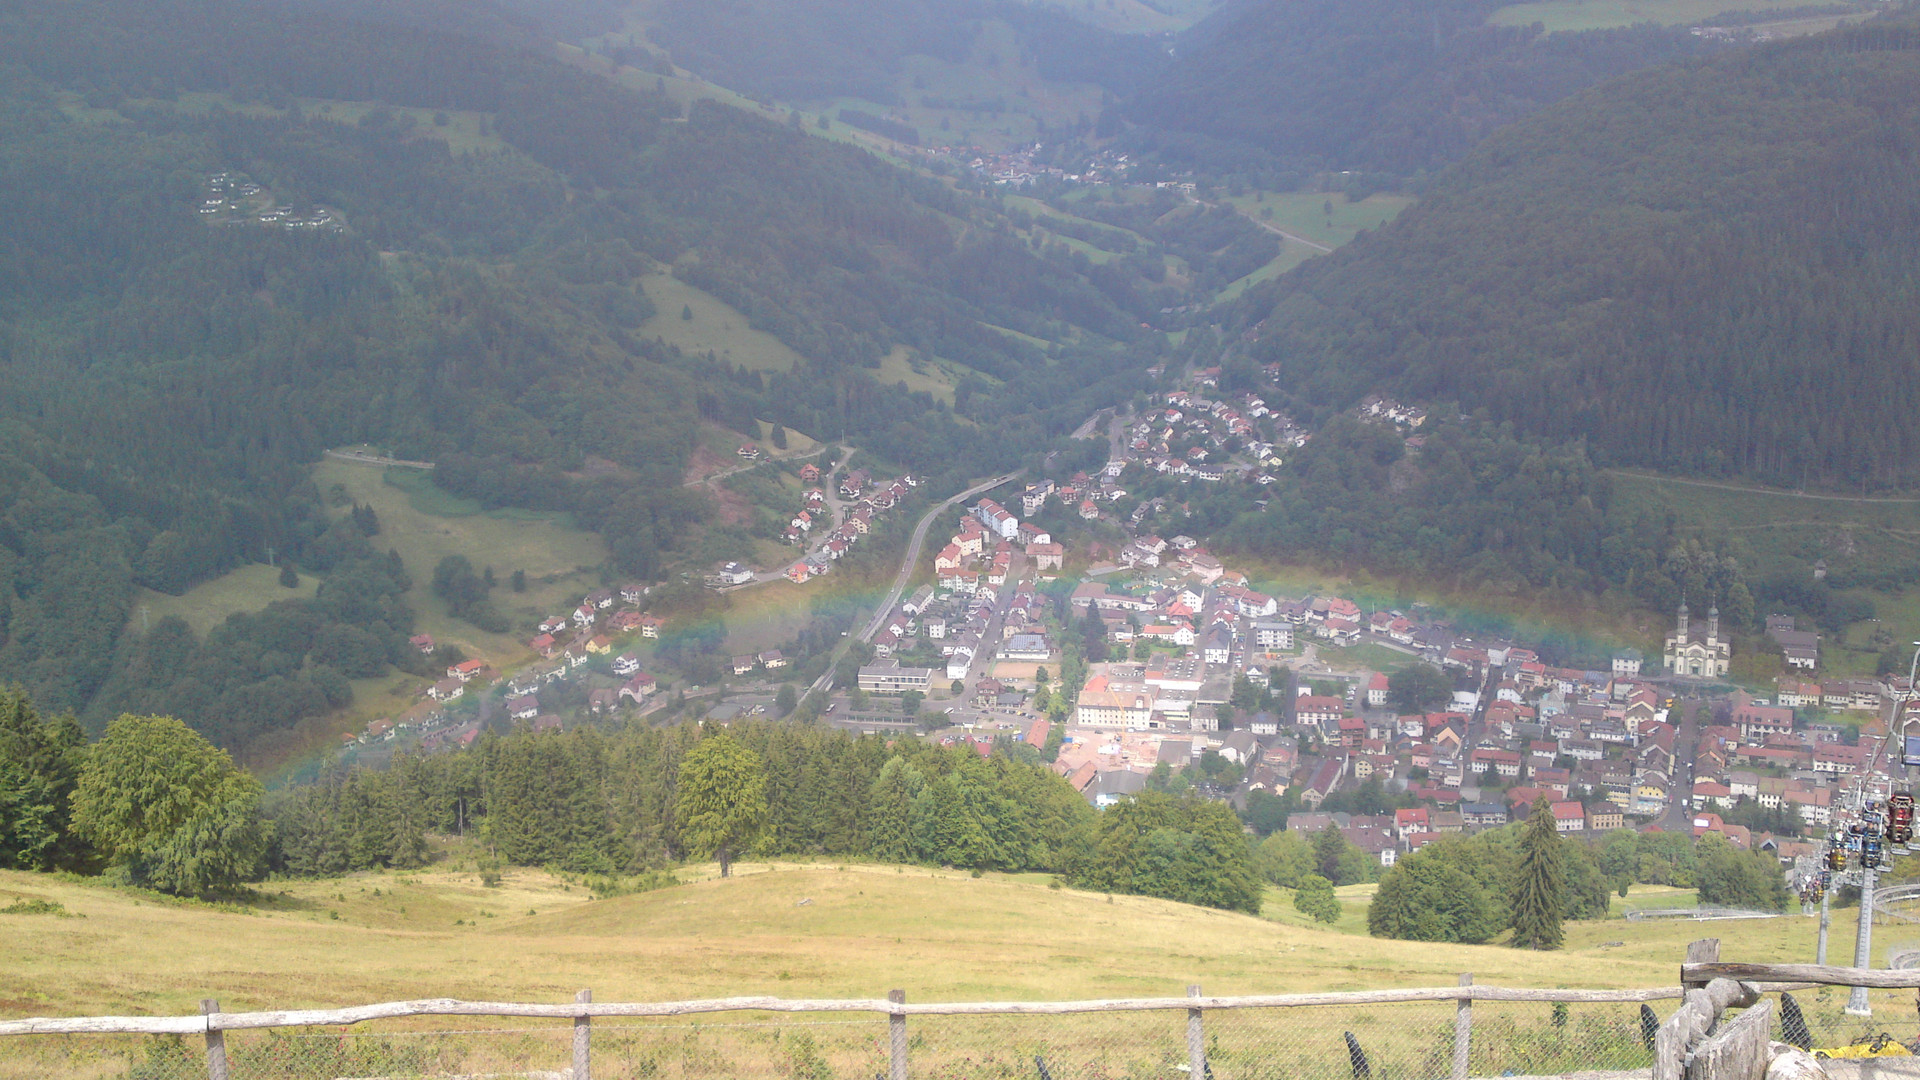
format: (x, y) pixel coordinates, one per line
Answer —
(1209, 439)
(1387, 410)
(981, 552)
(234, 199)
(1018, 167)
(863, 500)
(563, 644)
(983, 605)
(1596, 744)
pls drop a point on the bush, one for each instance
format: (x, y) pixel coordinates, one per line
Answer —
(1314, 898)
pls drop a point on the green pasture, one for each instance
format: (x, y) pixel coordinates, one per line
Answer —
(716, 326)
(1325, 218)
(1367, 655)
(425, 525)
(463, 132)
(1569, 15)
(929, 374)
(1355, 901)
(207, 605)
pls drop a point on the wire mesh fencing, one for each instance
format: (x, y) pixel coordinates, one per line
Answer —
(1399, 1040)
(786, 1048)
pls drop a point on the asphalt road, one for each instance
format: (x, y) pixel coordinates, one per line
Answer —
(1686, 744)
(907, 564)
(913, 551)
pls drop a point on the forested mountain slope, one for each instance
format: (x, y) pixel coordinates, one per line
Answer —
(166, 377)
(1388, 86)
(826, 48)
(1709, 268)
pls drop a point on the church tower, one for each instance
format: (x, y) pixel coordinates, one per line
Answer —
(1681, 631)
(1713, 626)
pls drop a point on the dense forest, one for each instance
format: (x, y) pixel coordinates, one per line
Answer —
(1294, 87)
(167, 381)
(1708, 268)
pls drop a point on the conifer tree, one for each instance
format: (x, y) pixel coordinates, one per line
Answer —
(1542, 880)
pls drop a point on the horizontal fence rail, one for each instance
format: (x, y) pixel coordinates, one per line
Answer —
(223, 1021)
(1722, 1029)
(1805, 974)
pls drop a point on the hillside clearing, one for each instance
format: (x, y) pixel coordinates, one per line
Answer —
(207, 605)
(425, 525)
(715, 326)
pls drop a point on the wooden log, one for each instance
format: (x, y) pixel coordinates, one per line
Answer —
(1738, 1051)
(1670, 1048)
(1792, 1063)
(1704, 951)
(1731, 994)
(1814, 974)
(107, 1025)
(194, 1025)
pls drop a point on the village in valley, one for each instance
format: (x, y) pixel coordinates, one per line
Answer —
(1131, 661)
(1171, 669)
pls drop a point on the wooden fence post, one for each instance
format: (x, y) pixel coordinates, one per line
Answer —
(1704, 951)
(216, 1043)
(897, 1037)
(1737, 1051)
(583, 1040)
(1462, 1030)
(1196, 1040)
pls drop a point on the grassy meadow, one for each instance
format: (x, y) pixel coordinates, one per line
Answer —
(1327, 219)
(206, 605)
(716, 326)
(941, 935)
(425, 524)
(1602, 14)
(462, 131)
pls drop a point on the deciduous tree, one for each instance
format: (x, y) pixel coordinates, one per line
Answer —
(721, 802)
(1314, 898)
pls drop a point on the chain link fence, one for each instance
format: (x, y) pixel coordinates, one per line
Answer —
(1348, 1041)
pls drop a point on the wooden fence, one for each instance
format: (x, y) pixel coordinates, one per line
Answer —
(212, 1024)
(1693, 1045)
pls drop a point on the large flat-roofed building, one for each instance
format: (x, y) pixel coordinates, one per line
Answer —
(1131, 710)
(894, 679)
(1026, 647)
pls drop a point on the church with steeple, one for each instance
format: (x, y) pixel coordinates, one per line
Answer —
(1687, 654)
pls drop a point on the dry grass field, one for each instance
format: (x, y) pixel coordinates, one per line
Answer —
(941, 935)
(799, 931)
